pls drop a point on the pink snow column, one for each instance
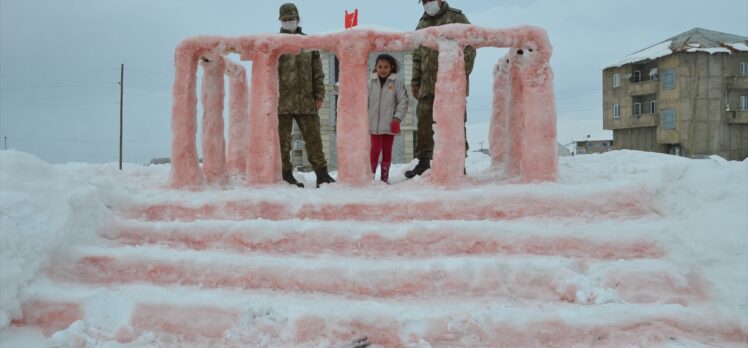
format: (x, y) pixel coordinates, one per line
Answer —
(185, 169)
(449, 113)
(238, 144)
(523, 125)
(214, 156)
(353, 122)
(498, 139)
(264, 163)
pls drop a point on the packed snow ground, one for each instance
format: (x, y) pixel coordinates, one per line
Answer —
(701, 208)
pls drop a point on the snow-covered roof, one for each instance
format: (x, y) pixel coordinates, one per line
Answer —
(694, 40)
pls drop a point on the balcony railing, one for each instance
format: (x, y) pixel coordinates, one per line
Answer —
(737, 117)
(644, 87)
(634, 121)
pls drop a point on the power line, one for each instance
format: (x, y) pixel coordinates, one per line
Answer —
(58, 73)
(150, 86)
(150, 72)
(86, 141)
(56, 97)
(72, 104)
(147, 95)
(57, 86)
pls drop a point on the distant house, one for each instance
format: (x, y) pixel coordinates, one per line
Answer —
(686, 96)
(587, 146)
(562, 151)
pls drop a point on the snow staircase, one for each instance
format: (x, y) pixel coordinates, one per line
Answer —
(463, 268)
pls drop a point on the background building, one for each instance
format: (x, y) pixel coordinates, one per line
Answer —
(403, 149)
(588, 146)
(687, 96)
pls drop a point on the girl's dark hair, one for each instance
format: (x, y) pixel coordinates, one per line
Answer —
(389, 59)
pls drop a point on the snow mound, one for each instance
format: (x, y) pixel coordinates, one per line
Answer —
(41, 208)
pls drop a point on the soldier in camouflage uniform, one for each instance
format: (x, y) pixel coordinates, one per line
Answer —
(425, 68)
(302, 91)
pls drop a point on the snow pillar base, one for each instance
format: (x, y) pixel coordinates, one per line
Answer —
(523, 124)
(353, 142)
(238, 144)
(213, 142)
(449, 112)
(185, 169)
(264, 162)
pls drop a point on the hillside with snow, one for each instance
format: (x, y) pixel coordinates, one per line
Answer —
(625, 249)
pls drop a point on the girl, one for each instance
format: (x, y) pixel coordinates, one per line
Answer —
(388, 103)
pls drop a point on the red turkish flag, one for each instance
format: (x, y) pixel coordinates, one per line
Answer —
(351, 19)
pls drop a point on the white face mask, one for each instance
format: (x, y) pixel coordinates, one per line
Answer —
(290, 25)
(431, 8)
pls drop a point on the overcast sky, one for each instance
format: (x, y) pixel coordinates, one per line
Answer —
(59, 60)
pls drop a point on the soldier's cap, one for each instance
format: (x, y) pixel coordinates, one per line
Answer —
(288, 11)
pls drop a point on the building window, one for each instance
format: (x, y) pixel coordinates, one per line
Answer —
(616, 80)
(334, 112)
(654, 74)
(617, 111)
(668, 119)
(744, 103)
(668, 79)
(653, 107)
(337, 70)
(637, 108)
(743, 68)
(637, 76)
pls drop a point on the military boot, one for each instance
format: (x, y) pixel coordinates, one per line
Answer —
(323, 177)
(422, 166)
(288, 177)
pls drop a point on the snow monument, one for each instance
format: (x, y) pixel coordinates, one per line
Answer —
(522, 135)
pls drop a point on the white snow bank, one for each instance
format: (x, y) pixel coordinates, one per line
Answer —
(40, 208)
(705, 225)
(702, 224)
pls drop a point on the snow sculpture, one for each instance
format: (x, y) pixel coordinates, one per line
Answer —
(238, 145)
(523, 126)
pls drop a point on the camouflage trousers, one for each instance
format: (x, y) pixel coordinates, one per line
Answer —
(309, 127)
(425, 132)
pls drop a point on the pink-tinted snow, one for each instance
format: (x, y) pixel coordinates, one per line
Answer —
(238, 143)
(264, 163)
(527, 114)
(449, 106)
(214, 157)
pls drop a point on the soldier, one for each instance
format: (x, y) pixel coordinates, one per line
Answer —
(302, 91)
(425, 67)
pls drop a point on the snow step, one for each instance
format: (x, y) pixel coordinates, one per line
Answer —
(548, 279)
(416, 239)
(225, 318)
(462, 205)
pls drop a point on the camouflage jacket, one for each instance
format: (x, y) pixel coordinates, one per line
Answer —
(426, 60)
(301, 82)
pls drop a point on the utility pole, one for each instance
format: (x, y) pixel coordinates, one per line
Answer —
(121, 109)
(5, 143)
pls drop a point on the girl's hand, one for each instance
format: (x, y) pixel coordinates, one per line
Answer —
(395, 126)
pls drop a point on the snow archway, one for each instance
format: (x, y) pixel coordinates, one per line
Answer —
(523, 126)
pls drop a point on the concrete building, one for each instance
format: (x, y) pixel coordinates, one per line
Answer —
(687, 96)
(403, 149)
